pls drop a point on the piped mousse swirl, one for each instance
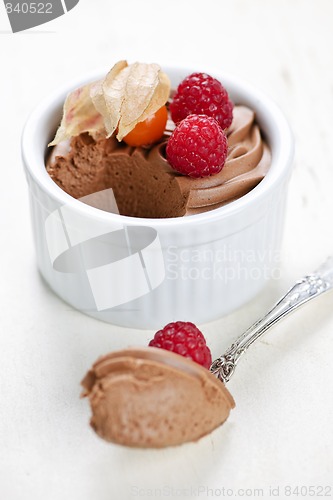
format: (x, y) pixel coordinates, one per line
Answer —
(144, 183)
(247, 164)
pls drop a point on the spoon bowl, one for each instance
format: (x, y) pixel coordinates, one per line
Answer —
(149, 397)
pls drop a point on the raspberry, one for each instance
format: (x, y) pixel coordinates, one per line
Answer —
(202, 94)
(183, 338)
(197, 147)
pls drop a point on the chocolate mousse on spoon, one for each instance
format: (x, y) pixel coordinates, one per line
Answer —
(150, 397)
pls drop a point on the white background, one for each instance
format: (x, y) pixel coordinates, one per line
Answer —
(281, 430)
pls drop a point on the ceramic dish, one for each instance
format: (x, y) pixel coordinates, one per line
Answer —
(145, 273)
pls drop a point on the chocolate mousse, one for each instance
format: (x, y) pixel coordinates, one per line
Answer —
(143, 182)
(154, 398)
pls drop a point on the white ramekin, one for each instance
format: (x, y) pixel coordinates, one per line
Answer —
(147, 272)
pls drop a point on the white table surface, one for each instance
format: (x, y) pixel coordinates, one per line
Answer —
(281, 433)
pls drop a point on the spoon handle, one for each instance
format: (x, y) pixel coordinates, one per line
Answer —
(308, 288)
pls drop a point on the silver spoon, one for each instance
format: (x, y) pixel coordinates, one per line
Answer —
(307, 288)
(149, 397)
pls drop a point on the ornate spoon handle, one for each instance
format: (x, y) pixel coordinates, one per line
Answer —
(306, 289)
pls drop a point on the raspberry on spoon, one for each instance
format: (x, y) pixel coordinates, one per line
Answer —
(186, 339)
(197, 147)
(200, 93)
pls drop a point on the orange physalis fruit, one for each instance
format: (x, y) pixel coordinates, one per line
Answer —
(148, 131)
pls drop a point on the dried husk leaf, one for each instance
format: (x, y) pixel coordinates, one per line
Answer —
(147, 89)
(79, 115)
(125, 97)
(108, 104)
